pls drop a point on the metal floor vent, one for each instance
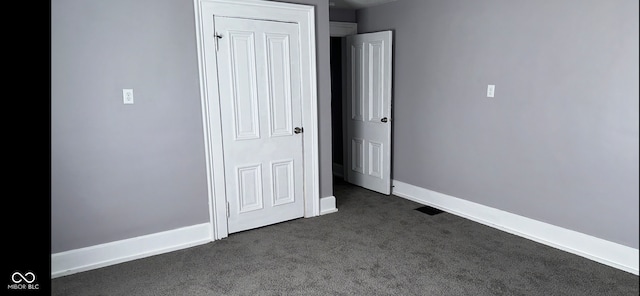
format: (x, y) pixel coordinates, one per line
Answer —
(429, 210)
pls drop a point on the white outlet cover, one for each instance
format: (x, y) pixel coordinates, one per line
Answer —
(491, 89)
(127, 96)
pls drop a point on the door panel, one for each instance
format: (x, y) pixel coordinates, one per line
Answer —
(357, 75)
(369, 107)
(357, 156)
(245, 100)
(260, 103)
(376, 96)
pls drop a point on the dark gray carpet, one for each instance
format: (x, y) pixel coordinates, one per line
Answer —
(374, 245)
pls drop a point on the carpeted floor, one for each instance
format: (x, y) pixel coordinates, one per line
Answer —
(374, 245)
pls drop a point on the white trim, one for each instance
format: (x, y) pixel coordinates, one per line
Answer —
(304, 16)
(338, 170)
(328, 205)
(212, 152)
(78, 260)
(593, 248)
(341, 29)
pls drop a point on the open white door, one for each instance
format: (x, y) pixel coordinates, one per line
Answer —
(368, 110)
(261, 112)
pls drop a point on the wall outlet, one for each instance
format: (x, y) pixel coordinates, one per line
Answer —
(491, 89)
(127, 96)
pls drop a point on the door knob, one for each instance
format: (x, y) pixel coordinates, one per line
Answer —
(297, 130)
(384, 119)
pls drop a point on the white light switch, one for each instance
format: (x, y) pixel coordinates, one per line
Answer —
(127, 96)
(490, 90)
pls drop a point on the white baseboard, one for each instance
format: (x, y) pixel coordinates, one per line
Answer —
(78, 260)
(338, 170)
(328, 205)
(593, 248)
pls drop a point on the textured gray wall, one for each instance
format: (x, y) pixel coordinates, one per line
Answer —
(121, 171)
(558, 143)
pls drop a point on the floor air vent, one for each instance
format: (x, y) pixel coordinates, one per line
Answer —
(429, 210)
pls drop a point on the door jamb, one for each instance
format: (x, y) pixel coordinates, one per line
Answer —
(304, 16)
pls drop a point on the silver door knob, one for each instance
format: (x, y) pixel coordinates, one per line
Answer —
(384, 119)
(297, 130)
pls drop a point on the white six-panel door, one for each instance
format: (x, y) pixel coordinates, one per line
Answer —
(260, 104)
(368, 111)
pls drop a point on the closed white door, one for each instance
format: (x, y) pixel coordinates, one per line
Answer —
(368, 111)
(260, 103)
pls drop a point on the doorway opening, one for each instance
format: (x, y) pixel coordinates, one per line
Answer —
(361, 77)
(337, 86)
(338, 32)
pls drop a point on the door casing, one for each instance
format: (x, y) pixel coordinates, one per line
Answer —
(304, 16)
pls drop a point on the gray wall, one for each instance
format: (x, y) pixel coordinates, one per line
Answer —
(558, 143)
(342, 15)
(121, 171)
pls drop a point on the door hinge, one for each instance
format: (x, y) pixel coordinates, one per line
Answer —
(228, 210)
(218, 37)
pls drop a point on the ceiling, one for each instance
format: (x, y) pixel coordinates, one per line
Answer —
(356, 4)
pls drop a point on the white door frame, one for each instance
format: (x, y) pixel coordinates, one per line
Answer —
(304, 16)
(342, 29)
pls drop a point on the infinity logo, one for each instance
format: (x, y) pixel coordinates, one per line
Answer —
(28, 277)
